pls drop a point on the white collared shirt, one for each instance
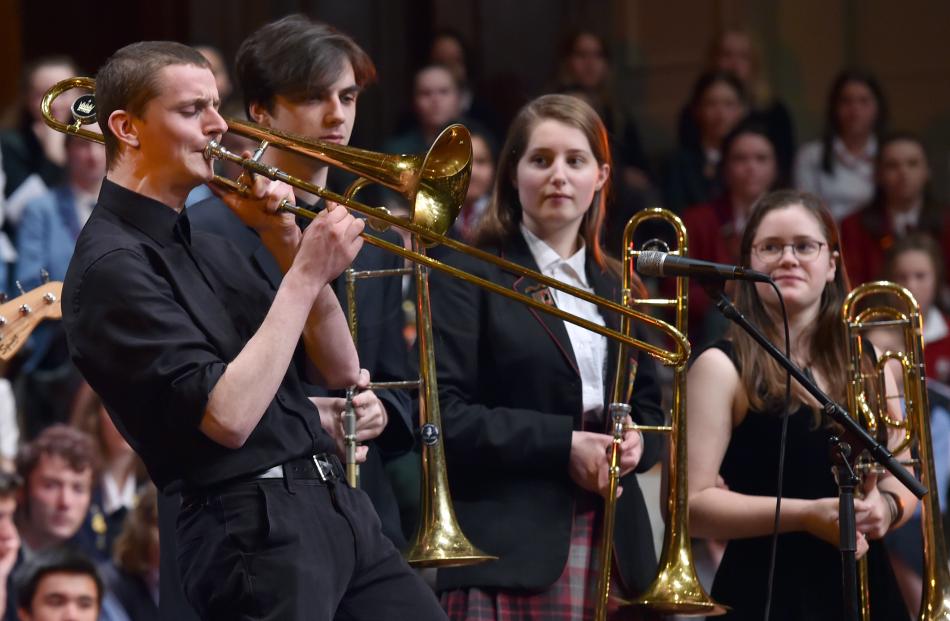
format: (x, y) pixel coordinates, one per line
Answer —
(906, 221)
(590, 349)
(115, 497)
(849, 187)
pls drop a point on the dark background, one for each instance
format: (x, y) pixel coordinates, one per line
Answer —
(659, 47)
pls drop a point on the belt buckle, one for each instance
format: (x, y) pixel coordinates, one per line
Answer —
(323, 468)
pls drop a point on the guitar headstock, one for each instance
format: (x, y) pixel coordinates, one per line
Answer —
(20, 316)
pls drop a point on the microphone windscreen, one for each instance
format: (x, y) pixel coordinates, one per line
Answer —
(650, 263)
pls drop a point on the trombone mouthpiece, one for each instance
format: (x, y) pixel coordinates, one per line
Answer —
(212, 149)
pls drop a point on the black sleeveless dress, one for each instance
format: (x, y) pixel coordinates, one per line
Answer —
(807, 570)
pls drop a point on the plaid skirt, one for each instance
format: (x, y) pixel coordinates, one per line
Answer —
(572, 597)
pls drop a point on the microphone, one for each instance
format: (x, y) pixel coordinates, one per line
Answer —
(655, 263)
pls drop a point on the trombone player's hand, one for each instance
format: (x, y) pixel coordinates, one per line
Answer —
(371, 417)
(631, 450)
(331, 419)
(259, 208)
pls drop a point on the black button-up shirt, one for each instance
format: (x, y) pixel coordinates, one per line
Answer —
(153, 314)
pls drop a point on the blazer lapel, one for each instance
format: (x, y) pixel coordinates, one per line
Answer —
(553, 326)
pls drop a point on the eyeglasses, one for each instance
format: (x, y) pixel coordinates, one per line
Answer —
(772, 251)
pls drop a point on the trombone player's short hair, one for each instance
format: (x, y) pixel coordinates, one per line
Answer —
(297, 58)
(129, 80)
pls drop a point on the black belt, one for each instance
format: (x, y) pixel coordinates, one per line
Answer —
(323, 467)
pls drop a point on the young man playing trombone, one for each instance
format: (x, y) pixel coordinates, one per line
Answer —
(303, 77)
(193, 356)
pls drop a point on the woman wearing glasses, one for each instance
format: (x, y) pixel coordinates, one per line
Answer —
(736, 395)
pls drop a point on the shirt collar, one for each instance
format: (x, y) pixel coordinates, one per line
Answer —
(547, 259)
(851, 160)
(155, 219)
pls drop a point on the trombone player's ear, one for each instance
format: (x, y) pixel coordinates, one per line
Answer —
(123, 127)
(260, 114)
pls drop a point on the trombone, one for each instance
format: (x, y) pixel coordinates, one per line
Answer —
(902, 312)
(676, 589)
(434, 184)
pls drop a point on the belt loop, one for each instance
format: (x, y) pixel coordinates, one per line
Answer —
(289, 478)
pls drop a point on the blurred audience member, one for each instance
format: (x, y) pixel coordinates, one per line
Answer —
(479, 187)
(449, 49)
(45, 240)
(917, 263)
(57, 469)
(133, 578)
(9, 540)
(436, 102)
(9, 426)
(34, 155)
(839, 167)
(58, 585)
(121, 473)
(748, 170)
(717, 104)
(584, 71)
(736, 51)
(902, 204)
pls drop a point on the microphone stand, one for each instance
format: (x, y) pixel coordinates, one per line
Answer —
(857, 438)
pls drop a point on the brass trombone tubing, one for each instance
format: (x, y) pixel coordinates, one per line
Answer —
(674, 358)
(935, 597)
(676, 588)
(400, 182)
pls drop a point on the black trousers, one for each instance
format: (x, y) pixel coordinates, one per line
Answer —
(298, 549)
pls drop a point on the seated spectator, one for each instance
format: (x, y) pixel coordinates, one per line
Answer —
(436, 103)
(121, 473)
(479, 187)
(584, 71)
(32, 151)
(57, 469)
(45, 240)
(9, 541)
(56, 585)
(735, 51)
(917, 263)
(840, 166)
(717, 104)
(902, 204)
(748, 170)
(449, 49)
(133, 578)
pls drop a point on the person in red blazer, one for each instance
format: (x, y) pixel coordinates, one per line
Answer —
(902, 204)
(748, 170)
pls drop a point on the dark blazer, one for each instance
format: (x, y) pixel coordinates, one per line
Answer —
(510, 395)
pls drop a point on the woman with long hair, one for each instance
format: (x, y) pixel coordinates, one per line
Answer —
(523, 394)
(839, 167)
(736, 404)
(717, 104)
(748, 169)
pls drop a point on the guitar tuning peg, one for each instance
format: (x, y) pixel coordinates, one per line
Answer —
(44, 276)
(20, 288)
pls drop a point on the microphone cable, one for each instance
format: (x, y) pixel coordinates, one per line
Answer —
(781, 459)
